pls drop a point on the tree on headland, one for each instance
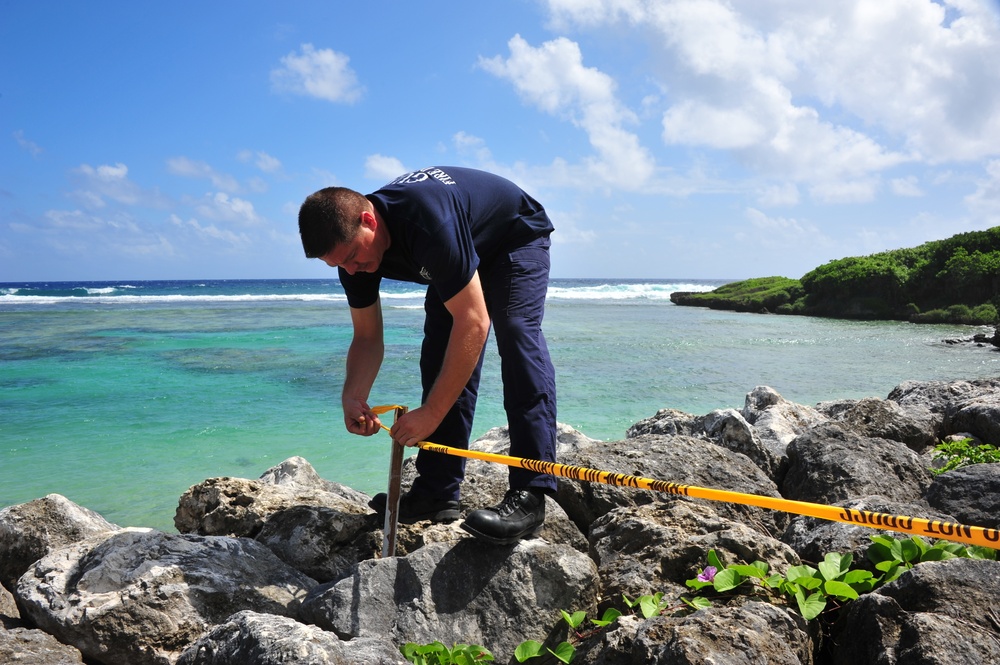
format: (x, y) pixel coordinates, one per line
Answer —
(956, 280)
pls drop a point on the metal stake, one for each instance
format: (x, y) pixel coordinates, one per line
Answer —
(393, 493)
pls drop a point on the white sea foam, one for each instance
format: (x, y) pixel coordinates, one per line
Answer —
(631, 291)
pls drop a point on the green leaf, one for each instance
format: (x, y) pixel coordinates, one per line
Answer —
(575, 619)
(698, 602)
(910, 550)
(564, 652)
(726, 580)
(840, 590)
(649, 607)
(528, 649)
(935, 554)
(774, 581)
(697, 584)
(855, 576)
(811, 606)
(796, 573)
(713, 560)
(610, 615)
(749, 571)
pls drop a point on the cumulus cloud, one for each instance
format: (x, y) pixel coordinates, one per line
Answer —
(222, 207)
(100, 184)
(321, 73)
(907, 186)
(261, 160)
(827, 93)
(190, 168)
(553, 78)
(381, 167)
(211, 233)
(28, 146)
(984, 203)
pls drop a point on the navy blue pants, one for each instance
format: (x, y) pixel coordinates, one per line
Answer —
(514, 286)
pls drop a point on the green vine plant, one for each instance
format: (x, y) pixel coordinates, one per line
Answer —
(811, 590)
(437, 653)
(957, 454)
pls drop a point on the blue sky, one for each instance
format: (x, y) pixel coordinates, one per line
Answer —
(691, 138)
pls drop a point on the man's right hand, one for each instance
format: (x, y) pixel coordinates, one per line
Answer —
(359, 419)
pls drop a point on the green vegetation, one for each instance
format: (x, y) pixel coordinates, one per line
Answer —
(810, 589)
(963, 453)
(956, 280)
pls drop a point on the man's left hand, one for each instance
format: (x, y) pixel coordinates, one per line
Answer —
(414, 426)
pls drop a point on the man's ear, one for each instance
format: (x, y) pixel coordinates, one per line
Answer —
(368, 220)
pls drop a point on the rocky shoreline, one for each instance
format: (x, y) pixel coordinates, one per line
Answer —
(285, 568)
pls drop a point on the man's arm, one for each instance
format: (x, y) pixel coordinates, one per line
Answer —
(364, 358)
(469, 330)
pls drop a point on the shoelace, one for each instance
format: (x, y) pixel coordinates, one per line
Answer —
(510, 503)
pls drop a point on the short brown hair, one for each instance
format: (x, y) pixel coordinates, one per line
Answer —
(328, 218)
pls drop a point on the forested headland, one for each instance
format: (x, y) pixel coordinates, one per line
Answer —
(956, 280)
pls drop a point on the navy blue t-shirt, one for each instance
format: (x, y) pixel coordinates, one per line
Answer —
(444, 223)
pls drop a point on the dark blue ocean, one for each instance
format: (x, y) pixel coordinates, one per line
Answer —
(120, 395)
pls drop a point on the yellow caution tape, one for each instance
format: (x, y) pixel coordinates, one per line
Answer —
(963, 533)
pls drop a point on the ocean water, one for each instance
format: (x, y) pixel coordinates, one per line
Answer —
(121, 395)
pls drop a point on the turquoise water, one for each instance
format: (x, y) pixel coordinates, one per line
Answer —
(120, 396)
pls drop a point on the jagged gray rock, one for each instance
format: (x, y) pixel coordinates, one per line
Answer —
(139, 596)
(829, 463)
(252, 638)
(29, 531)
(677, 459)
(23, 646)
(467, 592)
(658, 547)
(916, 426)
(813, 538)
(970, 493)
(239, 507)
(754, 633)
(938, 612)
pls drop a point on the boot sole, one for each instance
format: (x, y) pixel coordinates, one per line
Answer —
(494, 540)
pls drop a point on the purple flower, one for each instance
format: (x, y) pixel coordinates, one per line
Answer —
(708, 574)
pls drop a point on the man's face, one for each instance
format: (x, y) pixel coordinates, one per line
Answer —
(361, 254)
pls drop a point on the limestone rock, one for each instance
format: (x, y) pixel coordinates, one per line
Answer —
(467, 592)
(252, 638)
(29, 531)
(657, 548)
(937, 612)
(22, 646)
(829, 464)
(754, 633)
(916, 426)
(239, 507)
(140, 596)
(678, 459)
(970, 493)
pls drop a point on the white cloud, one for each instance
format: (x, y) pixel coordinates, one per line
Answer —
(322, 73)
(107, 182)
(212, 233)
(553, 78)
(221, 207)
(380, 167)
(190, 168)
(907, 186)
(783, 194)
(261, 160)
(827, 93)
(29, 146)
(984, 203)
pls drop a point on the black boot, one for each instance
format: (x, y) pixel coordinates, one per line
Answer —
(415, 508)
(520, 514)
